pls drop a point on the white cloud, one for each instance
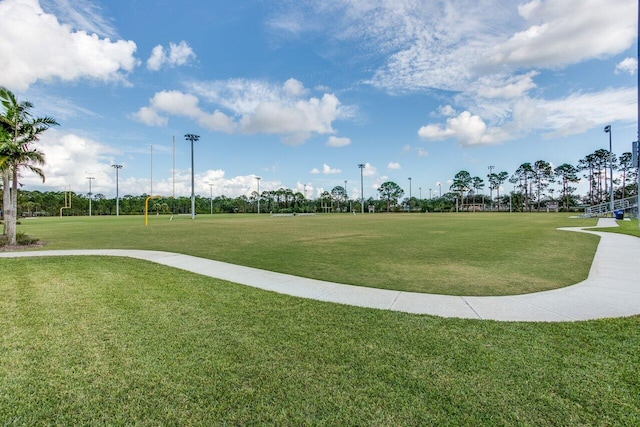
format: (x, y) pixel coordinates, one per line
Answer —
(466, 129)
(328, 170)
(334, 141)
(627, 65)
(314, 171)
(254, 107)
(591, 28)
(446, 110)
(149, 117)
(179, 54)
(394, 166)
(369, 170)
(293, 87)
(81, 14)
(569, 115)
(578, 112)
(35, 46)
(69, 159)
(181, 104)
(511, 87)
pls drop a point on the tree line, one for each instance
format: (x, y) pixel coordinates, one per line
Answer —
(535, 185)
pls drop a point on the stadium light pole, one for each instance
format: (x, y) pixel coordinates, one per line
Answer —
(117, 168)
(607, 129)
(191, 137)
(211, 197)
(409, 188)
(361, 166)
(258, 179)
(90, 178)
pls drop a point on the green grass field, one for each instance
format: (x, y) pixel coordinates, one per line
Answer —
(465, 254)
(112, 341)
(100, 341)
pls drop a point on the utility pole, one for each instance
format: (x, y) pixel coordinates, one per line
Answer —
(491, 168)
(361, 166)
(607, 129)
(117, 168)
(191, 137)
(258, 179)
(90, 178)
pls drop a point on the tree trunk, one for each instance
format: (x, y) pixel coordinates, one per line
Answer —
(9, 208)
(14, 208)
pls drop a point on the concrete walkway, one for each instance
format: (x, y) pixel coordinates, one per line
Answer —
(611, 290)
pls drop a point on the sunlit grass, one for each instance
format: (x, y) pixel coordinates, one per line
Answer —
(463, 254)
(110, 341)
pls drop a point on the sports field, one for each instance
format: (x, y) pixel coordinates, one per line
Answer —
(464, 254)
(98, 340)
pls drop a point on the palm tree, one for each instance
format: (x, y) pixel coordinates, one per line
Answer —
(19, 131)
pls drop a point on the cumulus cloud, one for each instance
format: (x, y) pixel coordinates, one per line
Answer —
(628, 66)
(334, 141)
(70, 158)
(569, 115)
(592, 28)
(251, 107)
(181, 104)
(369, 170)
(467, 129)
(54, 50)
(328, 170)
(178, 54)
(394, 166)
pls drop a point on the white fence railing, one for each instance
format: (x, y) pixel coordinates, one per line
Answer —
(605, 208)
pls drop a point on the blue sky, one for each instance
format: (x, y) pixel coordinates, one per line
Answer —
(300, 92)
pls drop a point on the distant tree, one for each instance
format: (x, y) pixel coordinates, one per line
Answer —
(626, 164)
(523, 177)
(542, 177)
(477, 184)
(339, 194)
(461, 182)
(390, 192)
(566, 174)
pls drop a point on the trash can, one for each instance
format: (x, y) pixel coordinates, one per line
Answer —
(619, 214)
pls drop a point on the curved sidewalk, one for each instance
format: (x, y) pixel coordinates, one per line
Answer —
(611, 290)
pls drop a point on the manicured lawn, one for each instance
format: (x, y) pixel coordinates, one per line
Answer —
(103, 341)
(624, 227)
(456, 254)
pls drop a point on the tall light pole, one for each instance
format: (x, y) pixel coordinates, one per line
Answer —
(491, 168)
(607, 129)
(117, 168)
(151, 169)
(409, 189)
(346, 195)
(440, 188)
(361, 166)
(211, 197)
(258, 179)
(90, 178)
(420, 190)
(191, 137)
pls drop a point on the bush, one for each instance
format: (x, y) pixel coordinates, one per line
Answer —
(21, 239)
